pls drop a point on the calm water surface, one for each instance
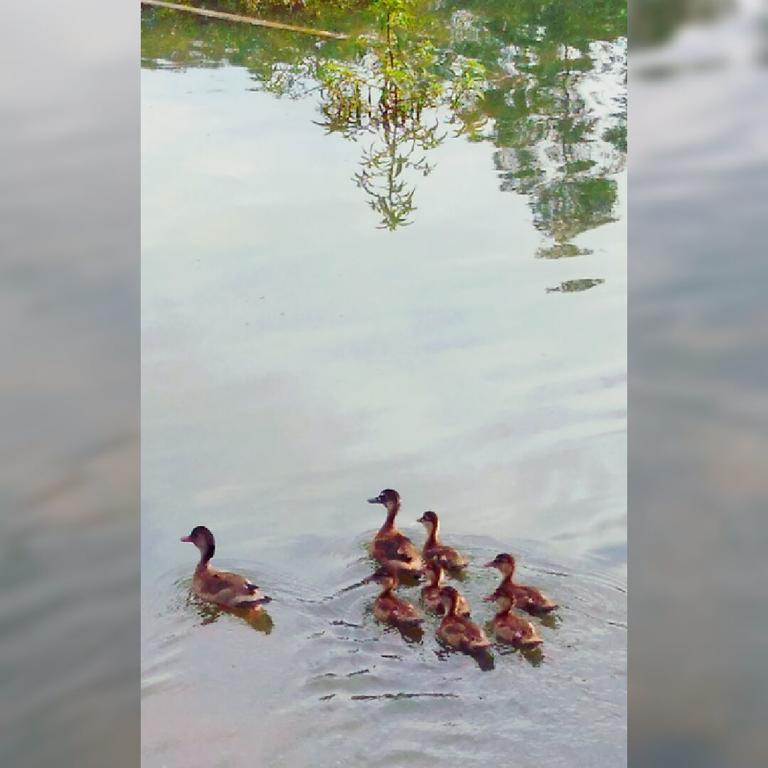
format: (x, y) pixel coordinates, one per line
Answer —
(321, 318)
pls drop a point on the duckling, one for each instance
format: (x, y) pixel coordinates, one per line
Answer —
(447, 557)
(430, 593)
(459, 632)
(389, 546)
(528, 599)
(511, 628)
(229, 590)
(389, 608)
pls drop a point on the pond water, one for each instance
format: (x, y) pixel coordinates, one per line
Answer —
(339, 298)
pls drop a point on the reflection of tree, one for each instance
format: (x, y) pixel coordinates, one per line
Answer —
(655, 21)
(369, 101)
(574, 286)
(394, 93)
(543, 82)
(554, 146)
(382, 168)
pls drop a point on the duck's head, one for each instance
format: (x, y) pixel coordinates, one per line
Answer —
(385, 576)
(389, 498)
(429, 521)
(449, 598)
(434, 573)
(203, 539)
(503, 562)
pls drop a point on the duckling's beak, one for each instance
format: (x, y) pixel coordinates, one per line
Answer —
(490, 564)
(420, 519)
(186, 538)
(376, 500)
(489, 599)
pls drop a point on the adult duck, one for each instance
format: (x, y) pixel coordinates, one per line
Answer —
(434, 550)
(430, 592)
(511, 628)
(388, 607)
(229, 590)
(389, 546)
(528, 599)
(459, 632)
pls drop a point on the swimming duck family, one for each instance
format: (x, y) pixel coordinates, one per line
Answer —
(229, 590)
(397, 555)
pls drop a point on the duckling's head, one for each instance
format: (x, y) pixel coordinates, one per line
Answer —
(429, 521)
(389, 498)
(449, 597)
(502, 562)
(385, 576)
(434, 573)
(203, 539)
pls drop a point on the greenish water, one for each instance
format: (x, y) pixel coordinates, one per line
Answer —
(369, 265)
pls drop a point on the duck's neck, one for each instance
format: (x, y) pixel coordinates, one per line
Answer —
(389, 523)
(387, 591)
(501, 612)
(507, 577)
(435, 578)
(432, 540)
(205, 557)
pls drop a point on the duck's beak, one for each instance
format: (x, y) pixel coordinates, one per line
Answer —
(489, 599)
(420, 519)
(490, 564)
(186, 538)
(376, 500)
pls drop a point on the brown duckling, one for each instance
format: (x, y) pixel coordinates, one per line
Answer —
(511, 628)
(526, 598)
(229, 590)
(434, 550)
(430, 593)
(459, 632)
(389, 608)
(389, 546)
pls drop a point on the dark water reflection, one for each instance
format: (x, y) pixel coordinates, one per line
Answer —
(297, 359)
(208, 613)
